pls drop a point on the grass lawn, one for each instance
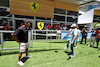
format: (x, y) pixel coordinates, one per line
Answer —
(44, 56)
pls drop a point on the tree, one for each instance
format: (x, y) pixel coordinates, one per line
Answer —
(94, 24)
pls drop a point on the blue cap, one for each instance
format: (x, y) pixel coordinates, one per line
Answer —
(73, 25)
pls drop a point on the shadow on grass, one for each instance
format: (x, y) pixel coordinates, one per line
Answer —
(95, 47)
(16, 52)
(24, 59)
(68, 53)
(42, 50)
(58, 42)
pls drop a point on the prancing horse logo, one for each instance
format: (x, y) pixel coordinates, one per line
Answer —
(40, 25)
(34, 6)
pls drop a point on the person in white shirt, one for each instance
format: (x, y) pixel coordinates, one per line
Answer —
(64, 28)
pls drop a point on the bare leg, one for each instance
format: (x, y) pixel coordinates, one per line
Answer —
(26, 52)
(20, 54)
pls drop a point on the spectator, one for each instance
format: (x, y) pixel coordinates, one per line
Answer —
(65, 28)
(7, 35)
(98, 36)
(45, 27)
(60, 27)
(56, 27)
(84, 35)
(93, 36)
(6, 27)
(49, 26)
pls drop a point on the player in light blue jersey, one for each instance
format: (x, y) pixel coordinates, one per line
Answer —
(78, 31)
(73, 39)
(68, 40)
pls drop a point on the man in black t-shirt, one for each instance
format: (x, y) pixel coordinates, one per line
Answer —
(21, 36)
(84, 35)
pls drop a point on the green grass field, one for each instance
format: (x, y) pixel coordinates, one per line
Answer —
(44, 56)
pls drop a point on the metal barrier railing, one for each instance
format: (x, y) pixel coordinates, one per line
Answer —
(48, 33)
(31, 33)
(1, 38)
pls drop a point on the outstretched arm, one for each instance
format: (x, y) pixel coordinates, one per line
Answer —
(15, 37)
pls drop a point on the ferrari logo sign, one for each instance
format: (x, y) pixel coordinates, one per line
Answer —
(40, 25)
(34, 6)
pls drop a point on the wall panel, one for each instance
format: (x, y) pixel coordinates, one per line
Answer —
(22, 7)
(66, 6)
(97, 12)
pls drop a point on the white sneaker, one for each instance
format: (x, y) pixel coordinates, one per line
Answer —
(71, 55)
(89, 45)
(65, 48)
(76, 46)
(99, 50)
(20, 63)
(28, 56)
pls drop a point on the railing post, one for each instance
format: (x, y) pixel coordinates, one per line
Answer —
(46, 34)
(32, 37)
(29, 37)
(57, 35)
(35, 35)
(1, 40)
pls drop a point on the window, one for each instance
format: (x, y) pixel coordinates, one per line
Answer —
(72, 13)
(59, 11)
(59, 18)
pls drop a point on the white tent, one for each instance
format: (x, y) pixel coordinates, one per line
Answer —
(86, 18)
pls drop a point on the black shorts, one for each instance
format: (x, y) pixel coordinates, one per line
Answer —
(97, 39)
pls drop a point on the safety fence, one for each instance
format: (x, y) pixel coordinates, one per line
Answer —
(34, 34)
(9, 32)
(2, 39)
(46, 34)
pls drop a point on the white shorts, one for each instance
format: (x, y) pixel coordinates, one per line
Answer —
(23, 47)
